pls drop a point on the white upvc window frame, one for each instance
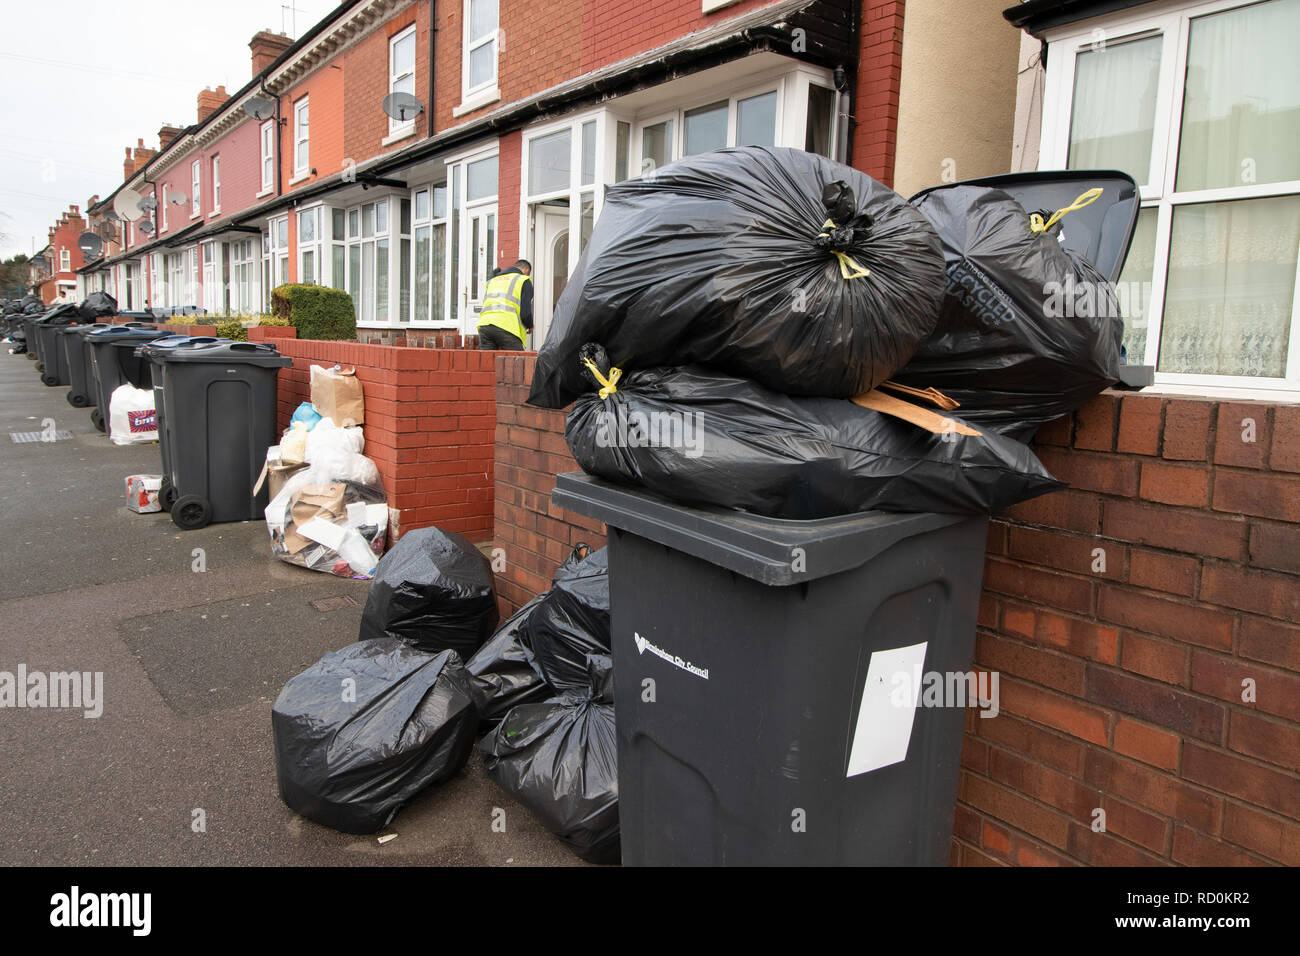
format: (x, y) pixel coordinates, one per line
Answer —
(65, 260)
(245, 276)
(266, 141)
(275, 256)
(480, 94)
(212, 284)
(397, 129)
(365, 298)
(461, 210)
(577, 191)
(196, 189)
(162, 205)
(216, 183)
(436, 319)
(1172, 21)
(790, 83)
(318, 215)
(301, 141)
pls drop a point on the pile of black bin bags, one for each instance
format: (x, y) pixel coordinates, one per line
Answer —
(366, 729)
(733, 312)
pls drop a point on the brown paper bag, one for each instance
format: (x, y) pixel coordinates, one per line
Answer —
(336, 394)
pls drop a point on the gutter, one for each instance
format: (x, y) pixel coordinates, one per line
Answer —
(1037, 16)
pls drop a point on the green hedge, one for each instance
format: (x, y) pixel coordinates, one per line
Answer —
(316, 311)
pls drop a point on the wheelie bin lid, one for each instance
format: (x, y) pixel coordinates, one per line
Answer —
(115, 333)
(226, 352)
(1100, 232)
(152, 349)
(760, 548)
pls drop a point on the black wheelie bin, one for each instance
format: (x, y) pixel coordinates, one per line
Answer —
(795, 692)
(113, 367)
(220, 406)
(152, 351)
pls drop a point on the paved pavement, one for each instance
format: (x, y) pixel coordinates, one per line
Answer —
(192, 663)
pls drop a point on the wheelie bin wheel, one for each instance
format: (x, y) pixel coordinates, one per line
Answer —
(190, 512)
(97, 419)
(167, 494)
(49, 381)
(77, 400)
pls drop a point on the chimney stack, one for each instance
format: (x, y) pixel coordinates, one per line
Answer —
(210, 101)
(166, 133)
(266, 46)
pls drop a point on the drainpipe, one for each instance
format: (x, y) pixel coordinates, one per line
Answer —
(433, 32)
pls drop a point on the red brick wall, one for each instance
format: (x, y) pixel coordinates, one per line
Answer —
(428, 428)
(325, 151)
(1120, 687)
(534, 535)
(880, 71)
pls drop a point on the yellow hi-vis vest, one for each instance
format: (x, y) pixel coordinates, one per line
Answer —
(501, 300)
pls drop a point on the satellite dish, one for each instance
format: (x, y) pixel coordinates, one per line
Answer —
(402, 107)
(90, 244)
(146, 227)
(127, 205)
(259, 107)
(111, 216)
(177, 198)
(148, 204)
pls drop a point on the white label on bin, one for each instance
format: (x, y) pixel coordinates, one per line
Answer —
(888, 709)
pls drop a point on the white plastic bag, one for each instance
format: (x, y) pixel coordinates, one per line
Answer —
(131, 416)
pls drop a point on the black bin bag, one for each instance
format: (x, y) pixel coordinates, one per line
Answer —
(96, 306)
(351, 764)
(703, 437)
(504, 672)
(1029, 329)
(435, 591)
(775, 264)
(560, 760)
(572, 620)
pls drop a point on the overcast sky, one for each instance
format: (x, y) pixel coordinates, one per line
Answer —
(81, 80)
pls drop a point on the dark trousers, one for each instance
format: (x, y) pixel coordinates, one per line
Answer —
(497, 338)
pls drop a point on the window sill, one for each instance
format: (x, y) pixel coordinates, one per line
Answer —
(196, 215)
(301, 177)
(265, 192)
(477, 101)
(399, 134)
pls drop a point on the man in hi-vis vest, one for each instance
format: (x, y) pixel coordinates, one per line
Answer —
(507, 312)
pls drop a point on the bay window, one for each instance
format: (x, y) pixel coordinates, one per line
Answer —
(275, 256)
(1201, 106)
(245, 295)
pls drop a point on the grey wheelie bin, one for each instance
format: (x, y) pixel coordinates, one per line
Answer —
(113, 367)
(220, 407)
(769, 679)
(152, 352)
(81, 373)
(76, 359)
(47, 329)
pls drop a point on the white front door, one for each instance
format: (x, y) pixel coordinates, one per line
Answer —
(550, 258)
(480, 259)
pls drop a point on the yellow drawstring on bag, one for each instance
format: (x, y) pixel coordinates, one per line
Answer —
(608, 385)
(1036, 224)
(849, 267)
